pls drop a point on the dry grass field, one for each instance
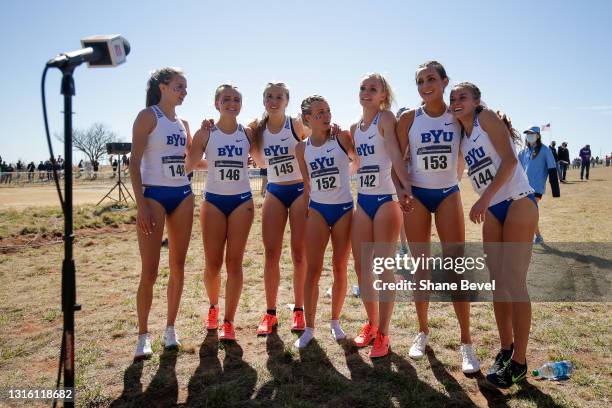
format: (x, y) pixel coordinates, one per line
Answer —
(267, 371)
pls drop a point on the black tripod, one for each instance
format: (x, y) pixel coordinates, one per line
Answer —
(124, 193)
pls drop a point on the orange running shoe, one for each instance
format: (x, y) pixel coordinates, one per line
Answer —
(227, 331)
(381, 346)
(366, 335)
(298, 323)
(267, 324)
(212, 322)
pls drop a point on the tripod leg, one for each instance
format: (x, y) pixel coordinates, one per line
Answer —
(108, 194)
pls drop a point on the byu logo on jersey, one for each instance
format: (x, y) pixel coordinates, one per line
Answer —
(321, 162)
(364, 149)
(474, 156)
(276, 150)
(230, 151)
(435, 136)
(175, 140)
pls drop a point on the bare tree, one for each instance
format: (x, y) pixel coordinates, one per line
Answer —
(92, 142)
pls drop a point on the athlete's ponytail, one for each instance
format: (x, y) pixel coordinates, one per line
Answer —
(161, 76)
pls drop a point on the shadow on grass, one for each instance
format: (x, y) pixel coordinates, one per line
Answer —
(526, 391)
(215, 385)
(163, 389)
(310, 380)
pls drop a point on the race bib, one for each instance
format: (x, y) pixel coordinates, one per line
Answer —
(433, 159)
(229, 171)
(282, 165)
(173, 167)
(369, 177)
(325, 180)
(481, 174)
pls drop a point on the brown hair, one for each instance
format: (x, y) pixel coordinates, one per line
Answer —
(223, 87)
(306, 106)
(260, 125)
(514, 135)
(386, 87)
(161, 76)
(432, 64)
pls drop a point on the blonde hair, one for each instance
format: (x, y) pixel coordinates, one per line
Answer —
(386, 88)
(224, 87)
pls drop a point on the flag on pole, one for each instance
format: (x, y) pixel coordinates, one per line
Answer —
(545, 127)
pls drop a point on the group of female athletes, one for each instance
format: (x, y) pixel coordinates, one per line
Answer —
(407, 170)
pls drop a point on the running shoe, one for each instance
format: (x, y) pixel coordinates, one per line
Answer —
(511, 373)
(366, 335)
(298, 323)
(143, 347)
(267, 324)
(538, 239)
(227, 331)
(469, 361)
(212, 322)
(502, 358)
(417, 350)
(381, 346)
(171, 340)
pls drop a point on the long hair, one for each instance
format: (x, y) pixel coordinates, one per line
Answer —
(260, 125)
(514, 135)
(161, 76)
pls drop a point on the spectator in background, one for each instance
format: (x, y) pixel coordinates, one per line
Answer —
(80, 167)
(9, 173)
(564, 160)
(585, 158)
(31, 168)
(553, 149)
(539, 164)
(96, 167)
(3, 170)
(89, 168)
(19, 168)
(114, 164)
(41, 170)
(49, 169)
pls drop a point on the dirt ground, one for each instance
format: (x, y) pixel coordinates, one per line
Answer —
(260, 371)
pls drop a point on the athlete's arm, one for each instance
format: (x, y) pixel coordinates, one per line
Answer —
(143, 126)
(301, 131)
(198, 145)
(460, 165)
(387, 127)
(299, 155)
(346, 141)
(403, 126)
(255, 153)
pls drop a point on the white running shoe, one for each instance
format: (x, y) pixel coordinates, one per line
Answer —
(305, 338)
(171, 339)
(417, 350)
(336, 330)
(143, 347)
(470, 363)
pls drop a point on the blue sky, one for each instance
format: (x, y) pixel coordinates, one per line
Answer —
(542, 62)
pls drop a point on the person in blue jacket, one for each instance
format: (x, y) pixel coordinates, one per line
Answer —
(539, 164)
